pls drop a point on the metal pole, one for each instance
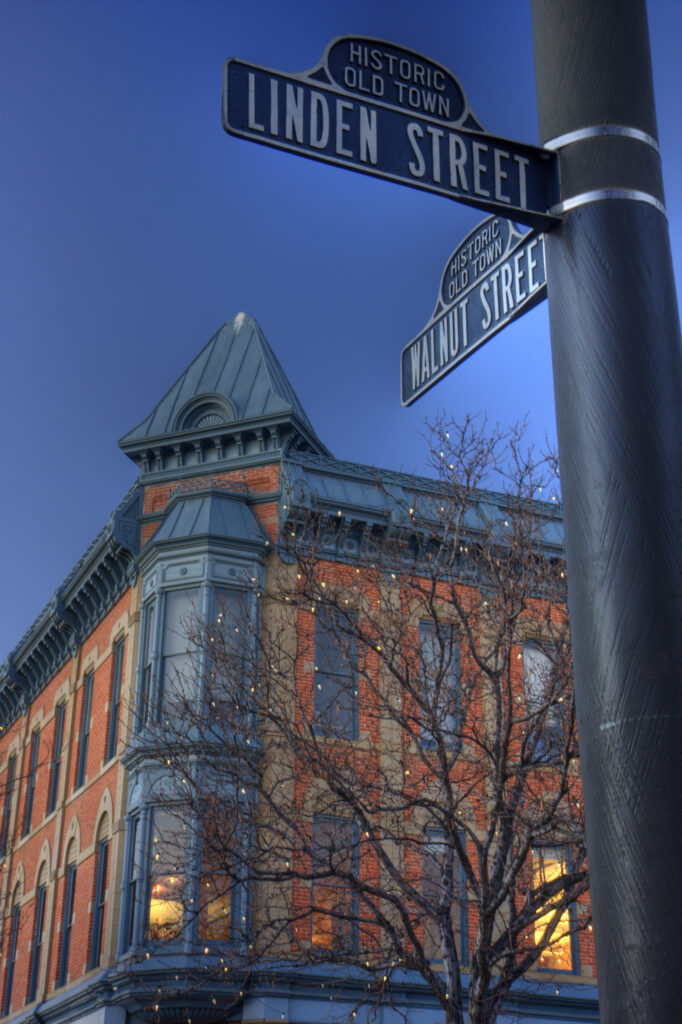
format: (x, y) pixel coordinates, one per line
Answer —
(617, 362)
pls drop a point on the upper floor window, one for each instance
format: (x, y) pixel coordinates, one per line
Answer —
(562, 952)
(335, 701)
(540, 699)
(444, 886)
(146, 663)
(31, 781)
(60, 718)
(7, 813)
(115, 710)
(334, 904)
(179, 649)
(172, 667)
(439, 659)
(86, 712)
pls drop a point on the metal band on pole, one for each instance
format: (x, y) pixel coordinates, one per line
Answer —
(601, 131)
(617, 363)
(597, 194)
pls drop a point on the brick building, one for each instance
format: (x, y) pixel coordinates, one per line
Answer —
(222, 458)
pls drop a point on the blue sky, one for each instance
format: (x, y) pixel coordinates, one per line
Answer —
(133, 226)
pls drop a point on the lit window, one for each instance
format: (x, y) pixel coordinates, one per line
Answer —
(548, 865)
(167, 877)
(215, 901)
(440, 672)
(335, 681)
(335, 854)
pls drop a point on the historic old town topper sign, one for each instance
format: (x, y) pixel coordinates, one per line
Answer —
(381, 109)
(492, 277)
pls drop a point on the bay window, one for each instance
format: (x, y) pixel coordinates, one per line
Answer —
(167, 875)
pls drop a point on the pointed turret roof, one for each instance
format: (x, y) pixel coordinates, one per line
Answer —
(234, 385)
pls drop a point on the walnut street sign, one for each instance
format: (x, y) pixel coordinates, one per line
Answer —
(384, 110)
(493, 276)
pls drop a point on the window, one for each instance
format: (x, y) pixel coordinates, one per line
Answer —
(67, 921)
(9, 790)
(114, 712)
(335, 701)
(12, 957)
(37, 941)
(60, 717)
(538, 683)
(334, 905)
(100, 898)
(562, 953)
(129, 916)
(441, 678)
(31, 781)
(215, 895)
(85, 729)
(167, 880)
(447, 889)
(178, 650)
(146, 671)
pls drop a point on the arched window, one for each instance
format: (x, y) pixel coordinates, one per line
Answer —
(15, 921)
(38, 928)
(97, 934)
(69, 889)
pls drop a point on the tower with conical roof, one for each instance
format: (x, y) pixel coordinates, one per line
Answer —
(233, 402)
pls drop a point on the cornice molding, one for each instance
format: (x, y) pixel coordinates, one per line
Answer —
(97, 581)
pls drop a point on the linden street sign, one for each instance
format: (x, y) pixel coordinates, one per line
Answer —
(380, 109)
(492, 277)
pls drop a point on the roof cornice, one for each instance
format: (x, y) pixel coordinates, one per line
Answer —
(99, 578)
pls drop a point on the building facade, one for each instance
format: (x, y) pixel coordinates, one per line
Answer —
(223, 457)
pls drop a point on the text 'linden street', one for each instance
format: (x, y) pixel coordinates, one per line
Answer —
(350, 131)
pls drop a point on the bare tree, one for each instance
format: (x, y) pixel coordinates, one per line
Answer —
(384, 758)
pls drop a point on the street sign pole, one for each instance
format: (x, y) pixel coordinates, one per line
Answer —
(617, 362)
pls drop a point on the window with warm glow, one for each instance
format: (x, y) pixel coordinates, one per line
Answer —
(558, 956)
(214, 913)
(167, 881)
(334, 905)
